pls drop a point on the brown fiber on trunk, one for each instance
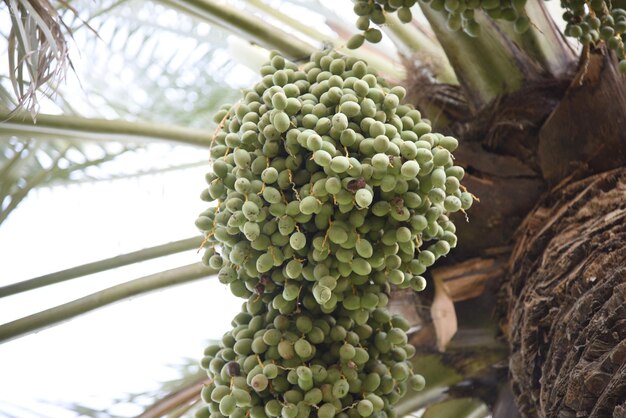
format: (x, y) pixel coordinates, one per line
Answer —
(566, 317)
(564, 297)
(498, 151)
(586, 130)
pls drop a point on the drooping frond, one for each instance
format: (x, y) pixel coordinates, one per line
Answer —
(37, 49)
(29, 163)
(152, 63)
(69, 310)
(126, 76)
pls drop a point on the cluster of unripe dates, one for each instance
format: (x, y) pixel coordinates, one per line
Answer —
(459, 15)
(328, 191)
(591, 22)
(594, 22)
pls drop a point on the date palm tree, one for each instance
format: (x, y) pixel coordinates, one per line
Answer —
(529, 307)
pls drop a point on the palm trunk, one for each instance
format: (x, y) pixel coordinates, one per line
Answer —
(563, 299)
(565, 295)
(566, 317)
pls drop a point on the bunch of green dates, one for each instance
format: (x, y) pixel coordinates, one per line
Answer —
(590, 22)
(374, 12)
(459, 15)
(328, 191)
(594, 22)
(307, 363)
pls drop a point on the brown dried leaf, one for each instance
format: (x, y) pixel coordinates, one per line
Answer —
(38, 50)
(468, 279)
(444, 315)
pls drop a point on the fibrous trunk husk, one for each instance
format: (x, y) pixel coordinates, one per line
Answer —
(586, 131)
(566, 294)
(564, 309)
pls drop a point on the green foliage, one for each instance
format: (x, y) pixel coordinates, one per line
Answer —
(27, 164)
(126, 52)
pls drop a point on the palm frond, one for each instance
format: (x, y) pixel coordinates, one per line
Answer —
(329, 30)
(27, 164)
(37, 49)
(199, 92)
(172, 398)
(182, 85)
(177, 402)
(149, 72)
(104, 175)
(102, 265)
(53, 316)
(243, 24)
(21, 172)
(76, 129)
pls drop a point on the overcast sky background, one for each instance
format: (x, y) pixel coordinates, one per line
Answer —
(123, 348)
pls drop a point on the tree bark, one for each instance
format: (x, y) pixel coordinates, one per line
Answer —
(563, 299)
(566, 313)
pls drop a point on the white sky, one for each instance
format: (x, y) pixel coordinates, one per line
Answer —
(122, 348)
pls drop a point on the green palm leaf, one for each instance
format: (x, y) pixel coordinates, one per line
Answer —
(53, 316)
(69, 151)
